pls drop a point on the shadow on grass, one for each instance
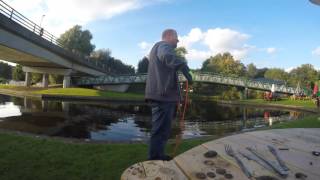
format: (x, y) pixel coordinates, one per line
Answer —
(26, 157)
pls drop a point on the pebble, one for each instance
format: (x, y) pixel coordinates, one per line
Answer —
(228, 176)
(210, 154)
(201, 175)
(211, 174)
(220, 171)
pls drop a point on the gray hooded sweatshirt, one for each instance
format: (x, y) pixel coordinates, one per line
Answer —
(162, 80)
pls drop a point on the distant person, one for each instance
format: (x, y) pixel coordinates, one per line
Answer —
(162, 91)
(41, 32)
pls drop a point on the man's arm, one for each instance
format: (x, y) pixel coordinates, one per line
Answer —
(168, 56)
(187, 73)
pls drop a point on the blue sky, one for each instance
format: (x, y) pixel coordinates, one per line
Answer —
(268, 33)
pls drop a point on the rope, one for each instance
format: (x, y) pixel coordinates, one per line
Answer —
(181, 119)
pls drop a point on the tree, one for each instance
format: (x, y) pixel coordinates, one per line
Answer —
(304, 74)
(17, 73)
(55, 79)
(114, 66)
(261, 72)
(143, 65)
(101, 55)
(181, 52)
(252, 71)
(224, 64)
(276, 74)
(36, 77)
(5, 71)
(3, 80)
(77, 40)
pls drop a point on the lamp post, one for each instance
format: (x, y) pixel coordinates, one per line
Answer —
(316, 2)
(42, 19)
(41, 29)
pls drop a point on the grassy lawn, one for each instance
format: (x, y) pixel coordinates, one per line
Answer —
(75, 92)
(307, 122)
(25, 157)
(302, 103)
(20, 88)
(90, 92)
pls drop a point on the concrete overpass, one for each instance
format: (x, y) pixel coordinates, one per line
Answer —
(242, 83)
(26, 43)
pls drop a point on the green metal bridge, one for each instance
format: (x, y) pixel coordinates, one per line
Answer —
(198, 77)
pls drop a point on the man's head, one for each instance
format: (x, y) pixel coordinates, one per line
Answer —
(170, 36)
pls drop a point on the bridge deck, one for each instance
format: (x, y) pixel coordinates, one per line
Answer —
(298, 157)
(198, 77)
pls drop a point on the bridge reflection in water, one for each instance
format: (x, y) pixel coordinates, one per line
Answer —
(127, 122)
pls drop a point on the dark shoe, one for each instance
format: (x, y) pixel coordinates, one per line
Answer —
(167, 158)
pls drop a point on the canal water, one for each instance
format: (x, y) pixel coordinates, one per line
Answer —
(114, 121)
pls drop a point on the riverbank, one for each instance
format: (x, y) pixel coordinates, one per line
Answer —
(69, 93)
(29, 157)
(298, 105)
(98, 95)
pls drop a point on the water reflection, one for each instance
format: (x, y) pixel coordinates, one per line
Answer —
(127, 122)
(8, 109)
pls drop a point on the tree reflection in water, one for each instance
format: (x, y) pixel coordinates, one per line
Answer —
(114, 121)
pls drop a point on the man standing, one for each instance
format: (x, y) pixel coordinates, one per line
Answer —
(162, 91)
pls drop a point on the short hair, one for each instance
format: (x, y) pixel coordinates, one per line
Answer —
(166, 32)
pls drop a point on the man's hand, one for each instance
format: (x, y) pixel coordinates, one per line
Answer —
(190, 81)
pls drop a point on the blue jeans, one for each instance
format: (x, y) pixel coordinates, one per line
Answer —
(162, 116)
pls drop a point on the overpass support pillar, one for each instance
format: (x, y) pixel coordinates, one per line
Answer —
(66, 81)
(27, 82)
(244, 93)
(45, 80)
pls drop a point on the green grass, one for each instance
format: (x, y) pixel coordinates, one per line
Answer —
(90, 92)
(302, 103)
(20, 88)
(312, 121)
(28, 157)
(25, 157)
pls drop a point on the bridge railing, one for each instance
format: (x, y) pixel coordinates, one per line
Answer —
(199, 77)
(17, 17)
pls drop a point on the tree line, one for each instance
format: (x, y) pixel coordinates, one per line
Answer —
(226, 64)
(79, 42)
(305, 76)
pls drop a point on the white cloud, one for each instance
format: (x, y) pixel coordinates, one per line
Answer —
(194, 54)
(271, 50)
(203, 44)
(217, 40)
(316, 51)
(195, 35)
(60, 16)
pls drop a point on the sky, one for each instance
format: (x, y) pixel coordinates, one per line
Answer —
(268, 33)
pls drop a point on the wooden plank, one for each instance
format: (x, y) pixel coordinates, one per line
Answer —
(189, 164)
(299, 133)
(296, 160)
(286, 140)
(313, 131)
(153, 170)
(254, 168)
(194, 162)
